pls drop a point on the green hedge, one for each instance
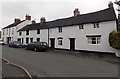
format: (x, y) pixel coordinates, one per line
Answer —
(114, 39)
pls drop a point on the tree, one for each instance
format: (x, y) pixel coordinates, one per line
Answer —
(114, 39)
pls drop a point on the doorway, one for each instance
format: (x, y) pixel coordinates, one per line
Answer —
(52, 41)
(8, 40)
(72, 43)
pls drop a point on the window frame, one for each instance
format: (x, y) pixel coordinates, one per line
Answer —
(96, 25)
(60, 41)
(37, 39)
(20, 33)
(94, 40)
(12, 30)
(38, 31)
(60, 29)
(81, 26)
(31, 40)
(27, 32)
(27, 40)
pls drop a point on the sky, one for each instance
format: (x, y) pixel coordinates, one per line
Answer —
(50, 9)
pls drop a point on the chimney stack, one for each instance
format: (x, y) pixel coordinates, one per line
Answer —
(110, 4)
(33, 21)
(43, 20)
(28, 17)
(16, 20)
(76, 12)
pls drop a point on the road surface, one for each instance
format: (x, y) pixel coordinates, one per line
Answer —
(49, 64)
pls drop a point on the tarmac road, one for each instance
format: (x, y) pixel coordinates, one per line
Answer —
(44, 64)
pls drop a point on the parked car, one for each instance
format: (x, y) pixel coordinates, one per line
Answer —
(2, 42)
(37, 46)
(15, 44)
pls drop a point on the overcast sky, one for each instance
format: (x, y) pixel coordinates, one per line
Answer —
(50, 9)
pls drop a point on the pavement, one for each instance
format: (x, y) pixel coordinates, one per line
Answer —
(10, 70)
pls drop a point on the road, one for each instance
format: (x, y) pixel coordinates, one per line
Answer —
(48, 64)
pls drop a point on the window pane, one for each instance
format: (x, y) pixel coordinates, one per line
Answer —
(59, 41)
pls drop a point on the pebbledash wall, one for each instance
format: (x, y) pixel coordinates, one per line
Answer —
(81, 41)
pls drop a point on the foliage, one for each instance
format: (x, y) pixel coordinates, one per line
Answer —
(114, 39)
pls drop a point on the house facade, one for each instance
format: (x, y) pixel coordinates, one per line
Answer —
(9, 33)
(88, 32)
(34, 32)
(84, 32)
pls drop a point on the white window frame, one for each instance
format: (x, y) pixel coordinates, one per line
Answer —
(60, 41)
(12, 30)
(96, 25)
(81, 26)
(94, 40)
(60, 29)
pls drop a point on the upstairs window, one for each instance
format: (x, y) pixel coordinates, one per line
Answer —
(27, 32)
(59, 29)
(3, 32)
(7, 32)
(96, 25)
(12, 30)
(60, 41)
(81, 26)
(20, 33)
(38, 31)
(96, 39)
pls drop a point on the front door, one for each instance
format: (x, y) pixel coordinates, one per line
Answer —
(19, 39)
(8, 40)
(72, 43)
(52, 41)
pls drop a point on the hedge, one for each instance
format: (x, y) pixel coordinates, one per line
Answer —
(114, 39)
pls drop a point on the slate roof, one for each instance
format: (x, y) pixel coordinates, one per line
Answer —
(35, 26)
(13, 25)
(99, 16)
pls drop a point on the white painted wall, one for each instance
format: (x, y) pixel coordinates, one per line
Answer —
(33, 34)
(81, 42)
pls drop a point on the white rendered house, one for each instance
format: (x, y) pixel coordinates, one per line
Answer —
(34, 32)
(9, 33)
(86, 32)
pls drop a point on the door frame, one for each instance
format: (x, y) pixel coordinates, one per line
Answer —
(52, 40)
(72, 41)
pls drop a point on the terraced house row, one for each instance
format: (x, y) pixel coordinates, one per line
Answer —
(86, 32)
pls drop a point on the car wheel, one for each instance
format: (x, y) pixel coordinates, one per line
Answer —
(35, 49)
(26, 48)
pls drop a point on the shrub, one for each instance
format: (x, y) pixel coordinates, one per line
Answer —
(114, 39)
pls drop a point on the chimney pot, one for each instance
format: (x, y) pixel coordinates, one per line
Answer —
(76, 12)
(43, 20)
(110, 4)
(28, 17)
(33, 22)
(16, 20)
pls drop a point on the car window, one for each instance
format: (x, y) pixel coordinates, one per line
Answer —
(43, 43)
(1, 40)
